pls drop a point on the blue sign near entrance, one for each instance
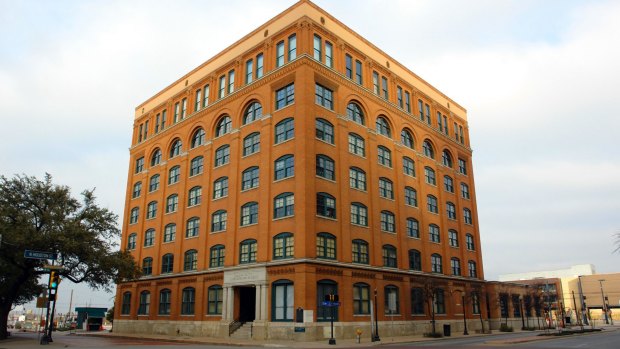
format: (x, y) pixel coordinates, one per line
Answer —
(330, 304)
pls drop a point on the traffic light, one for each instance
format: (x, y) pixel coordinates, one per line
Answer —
(54, 280)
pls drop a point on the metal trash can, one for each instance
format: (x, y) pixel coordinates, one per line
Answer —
(446, 330)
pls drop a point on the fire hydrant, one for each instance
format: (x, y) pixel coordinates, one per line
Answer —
(359, 334)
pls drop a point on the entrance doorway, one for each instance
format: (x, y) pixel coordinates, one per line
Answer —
(247, 304)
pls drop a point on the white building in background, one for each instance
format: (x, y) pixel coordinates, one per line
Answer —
(572, 272)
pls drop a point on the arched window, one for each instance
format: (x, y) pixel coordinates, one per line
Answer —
(469, 242)
(196, 166)
(282, 299)
(429, 176)
(164, 301)
(357, 178)
(172, 203)
(384, 156)
(325, 167)
(284, 205)
(190, 260)
(215, 296)
(325, 205)
(357, 145)
(455, 266)
(427, 147)
(195, 196)
(389, 256)
(325, 246)
(170, 231)
(198, 138)
(323, 288)
(252, 113)
(448, 184)
(188, 299)
(145, 302)
(473, 272)
(467, 216)
(249, 178)
(359, 214)
(285, 130)
(131, 241)
(284, 167)
(387, 222)
(383, 127)
(137, 189)
(126, 304)
(406, 138)
(283, 246)
(453, 238)
(251, 144)
(218, 221)
(216, 256)
(436, 266)
(154, 183)
(133, 215)
(167, 263)
(156, 157)
(411, 197)
(324, 131)
(222, 155)
(355, 113)
(413, 228)
(220, 188)
(192, 227)
(247, 251)
(224, 126)
(431, 204)
(149, 237)
(361, 299)
(386, 188)
(174, 174)
(450, 210)
(175, 149)
(360, 251)
(147, 266)
(446, 158)
(392, 300)
(415, 260)
(249, 213)
(408, 166)
(433, 233)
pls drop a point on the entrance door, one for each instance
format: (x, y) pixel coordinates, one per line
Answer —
(247, 304)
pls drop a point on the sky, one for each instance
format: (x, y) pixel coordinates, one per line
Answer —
(539, 80)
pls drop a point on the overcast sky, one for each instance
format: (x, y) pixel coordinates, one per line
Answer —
(540, 81)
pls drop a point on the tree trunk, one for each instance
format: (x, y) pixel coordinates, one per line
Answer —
(4, 319)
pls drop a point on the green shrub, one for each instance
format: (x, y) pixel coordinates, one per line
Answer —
(505, 328)
(432, 334)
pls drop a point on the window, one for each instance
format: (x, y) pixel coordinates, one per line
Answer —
(399, 96)
(133, 216)
(357, 178)
(462, 167)
(408, 166)
(292, 47)
(461, 139)
(215, 296)
(195, 196)
(386, 188)
(249, 213)
(325, 246)
(446, 159)
(196, 166)
(222, 155)
(413, 228)
(436, 263)
(355, 113)
(356, 145)
(421, 109)
(216, 256)
(283, 246)
(285, 130)
(387, 222)
(164, 302)
(325, 131)
(471, 266)
(467, 216)
(172, 203)
(428, 113)
(453, 238)
(183, 108)
(126, 305)
(282, 299)
(154, 183)
(455, 266)
(415, 260)
(187, 301)
(220, 188)
(251, 144)
(224, 126)
(249, 74)
(389, 256)
(359, 214)
(417, 301)
(280, 54)
(176, 112)
(475, 303)
(249, 178)
(440, 302)
(252, 113)
(348, 66)
(431, 204)
(259, 66)
(324, 96)
(167, 263)
(451, 210)
(360, 251)
(329, 54)
(156, 157)
(464, 191)
(448, 184)
(407, 102)
(382, 127)
(385, 156)
(325, 205)
(284, 167)
(137, 188)
(149, 237)
(139, 165)
(285, 96)
(170, 231)
(192, 227)
(469, 242)
(429, 175)
(427, 147)
(323, 288)
(406, 138)
(218, 221)
(384, 87)
(318, 55)
(175, 149)
(411, 197)
(147, 266)
(205, 97)
(283, 205)
(198, 138)
(247, 251)
(131, 241)
(445, 125)
(231, 81)
(433, 233)
(439, 122)
(190, 262)
(361, 299)
(151, 210)
(325, 167)
(391, 302)
(375, 82)
(174, 175)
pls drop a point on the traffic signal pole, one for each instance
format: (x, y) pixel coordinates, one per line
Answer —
(45, 338)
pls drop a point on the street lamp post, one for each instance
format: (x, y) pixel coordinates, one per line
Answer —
(376, 338)
(464, 318)
(522, 318)
(603, 299)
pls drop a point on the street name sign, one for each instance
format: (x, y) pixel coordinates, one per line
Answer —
(330, 304)
(40, 255)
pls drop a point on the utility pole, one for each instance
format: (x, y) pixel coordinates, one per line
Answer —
(582, 298)
(376, 337)
(576, 314)
(70, 305)
(604, 306)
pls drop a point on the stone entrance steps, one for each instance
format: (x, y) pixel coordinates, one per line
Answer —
(243, 332)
